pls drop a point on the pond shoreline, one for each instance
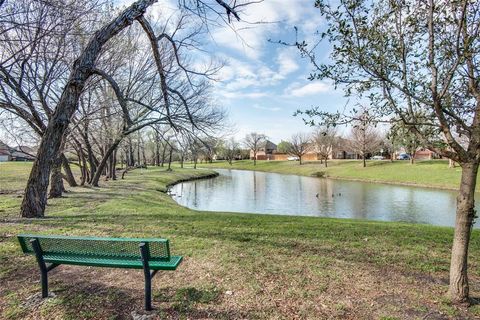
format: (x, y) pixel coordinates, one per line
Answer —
(210, 175)
(406, 184)
(374, 181)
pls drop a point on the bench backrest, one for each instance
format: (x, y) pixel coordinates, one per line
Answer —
(122, 248)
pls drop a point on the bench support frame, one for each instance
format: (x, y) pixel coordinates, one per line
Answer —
(148, 274)
(44, 268)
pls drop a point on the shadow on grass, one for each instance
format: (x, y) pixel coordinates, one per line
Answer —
(74, 296)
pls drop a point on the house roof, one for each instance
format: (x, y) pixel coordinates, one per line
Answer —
(4, 146)
(269, 145)
(20, 152)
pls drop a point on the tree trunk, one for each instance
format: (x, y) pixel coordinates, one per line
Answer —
(300, 160)
(103, 163)
(170, 160)
(91, 159)
(131, 154)
(326, 164)
(114, 167)
(254, 159)
(56, 180)
(157, 154)
(465, 215)
(364, 160)
(144, 157)
(68, 172)
(83, 166)
(163, 155)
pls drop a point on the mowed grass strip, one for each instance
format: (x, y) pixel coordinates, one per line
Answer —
(237, 266)
(431, 173)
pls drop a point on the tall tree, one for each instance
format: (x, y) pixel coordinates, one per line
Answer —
(410, 57)
(254, 141)
(300, 144)
(363, 139)
(324, 141)
(231, 149)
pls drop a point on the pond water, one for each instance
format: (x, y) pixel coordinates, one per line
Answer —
(272, 193)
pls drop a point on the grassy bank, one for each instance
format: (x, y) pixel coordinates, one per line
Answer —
(434, 173)
(237, 266)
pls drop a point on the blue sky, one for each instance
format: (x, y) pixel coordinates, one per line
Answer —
(262, 83)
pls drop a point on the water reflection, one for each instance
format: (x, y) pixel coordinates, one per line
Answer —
(271, 193)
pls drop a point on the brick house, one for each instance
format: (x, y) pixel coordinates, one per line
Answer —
(265, 151)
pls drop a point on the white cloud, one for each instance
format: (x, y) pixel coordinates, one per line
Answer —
(238, 94)
(257, 106)
(286, 62)
(308, 89)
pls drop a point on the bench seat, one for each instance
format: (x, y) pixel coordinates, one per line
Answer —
(112, 262)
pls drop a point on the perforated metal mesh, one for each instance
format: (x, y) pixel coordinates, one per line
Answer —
(97, 247)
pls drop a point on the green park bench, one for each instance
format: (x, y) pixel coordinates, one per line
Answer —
(150, 255)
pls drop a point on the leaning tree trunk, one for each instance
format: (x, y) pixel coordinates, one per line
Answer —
(68, 172)
(463, 226)
(114, 166)
(35, 198)
(103, 163)
(56, 180)
(84, 170)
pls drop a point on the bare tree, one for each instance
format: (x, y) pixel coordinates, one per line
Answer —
(231, 149)
(300, 144)
(84, 67)
(254, 141)
(363, 138)
(39, 44)
(324, 141)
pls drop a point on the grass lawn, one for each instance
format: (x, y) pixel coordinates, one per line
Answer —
(434, 173)
(237, 266)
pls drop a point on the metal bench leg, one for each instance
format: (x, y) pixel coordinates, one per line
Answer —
(148, 277)
(42, 265)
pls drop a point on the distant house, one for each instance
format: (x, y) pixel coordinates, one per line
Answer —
(4, 156)
(4, 152)
(339, 152)
(425, 154)
(420, 154)
(21, 153)
(265, 151)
